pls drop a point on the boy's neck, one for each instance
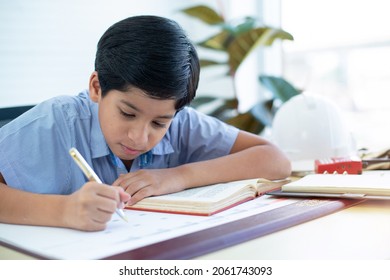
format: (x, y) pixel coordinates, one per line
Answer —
(127, 164)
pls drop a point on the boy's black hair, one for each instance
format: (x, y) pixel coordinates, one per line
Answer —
(150, 53)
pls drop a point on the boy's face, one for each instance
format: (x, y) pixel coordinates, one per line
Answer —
(133, 123)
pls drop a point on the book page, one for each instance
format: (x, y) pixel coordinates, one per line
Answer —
(207, 193)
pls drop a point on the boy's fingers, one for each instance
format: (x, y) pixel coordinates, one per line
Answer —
(123, 196)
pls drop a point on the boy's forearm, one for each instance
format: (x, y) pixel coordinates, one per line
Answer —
(257, 162)
(20, 207)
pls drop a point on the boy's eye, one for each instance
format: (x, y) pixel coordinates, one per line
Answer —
(155, 123)
(159, 125)
(127, 115)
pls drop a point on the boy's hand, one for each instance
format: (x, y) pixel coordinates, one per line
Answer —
(144, 183)
(91, 207)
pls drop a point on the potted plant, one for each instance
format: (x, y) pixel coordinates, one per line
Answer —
(237, 39)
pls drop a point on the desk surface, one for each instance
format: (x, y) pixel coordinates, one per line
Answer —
(359, 232)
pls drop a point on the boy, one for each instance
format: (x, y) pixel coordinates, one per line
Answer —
(134, 129)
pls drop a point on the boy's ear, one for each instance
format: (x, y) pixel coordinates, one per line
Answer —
(94, 87)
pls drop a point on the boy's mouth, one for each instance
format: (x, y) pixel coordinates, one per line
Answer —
(130, 151)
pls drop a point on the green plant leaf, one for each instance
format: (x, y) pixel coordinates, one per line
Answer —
(223, 109)
(279, 87)
(202, 100)
(219, 41)
(205, 14)
(241, 46)
(263, 112)
(247, 122)
(208, 62)
(237, 39)
(226, 110)
(272, 34)
(241, 25)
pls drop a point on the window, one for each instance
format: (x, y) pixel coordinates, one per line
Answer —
(342, 51)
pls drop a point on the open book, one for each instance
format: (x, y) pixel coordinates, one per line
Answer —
(208, 200)
(374, 185)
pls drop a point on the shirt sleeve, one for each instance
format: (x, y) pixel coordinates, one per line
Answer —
(200, 137)
(33, 150)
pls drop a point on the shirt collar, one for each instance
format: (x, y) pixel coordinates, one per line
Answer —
(99, 147)
(164, 146)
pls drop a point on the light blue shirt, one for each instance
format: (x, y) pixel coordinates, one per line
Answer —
(34, 147)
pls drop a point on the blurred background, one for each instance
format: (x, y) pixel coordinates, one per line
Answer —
(340, 50)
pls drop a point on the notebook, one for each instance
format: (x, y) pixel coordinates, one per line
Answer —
(374, 185)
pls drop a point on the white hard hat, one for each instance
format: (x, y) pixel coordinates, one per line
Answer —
(309, 127)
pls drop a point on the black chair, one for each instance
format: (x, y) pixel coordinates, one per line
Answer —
(10, 113)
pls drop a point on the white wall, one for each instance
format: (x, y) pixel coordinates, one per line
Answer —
(47, 47)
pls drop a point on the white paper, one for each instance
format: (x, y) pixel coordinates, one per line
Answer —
(144, 228)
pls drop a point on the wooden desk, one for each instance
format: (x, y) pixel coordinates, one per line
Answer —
(359, 232)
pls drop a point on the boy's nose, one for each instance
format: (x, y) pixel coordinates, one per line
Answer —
(139, 135)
